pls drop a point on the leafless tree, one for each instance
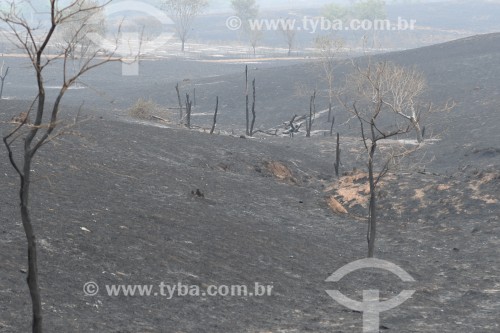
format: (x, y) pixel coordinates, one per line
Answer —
(252, 124)
(247, 110)
(380, 96)
(332, 123)
(404, 86)
(288, 30)
(183, 13)
(312, 115)
(330, 51)
(215, 115)
(33, 40)
(248, 10)
(74, 36)
(249, 124)
(337, 156)
(291, 127)
(181, 116)
(3, 75)
(189, 105)
(255, 37)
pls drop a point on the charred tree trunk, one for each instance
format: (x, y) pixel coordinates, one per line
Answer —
(247, 112)
(24, 173)
(417, 129)
(42, 130)
(372, 213)
(312, 113)
(331, 126)
(337, 156)
(188, 111)
(2, 77)
(291, 126)
(330, 111)
(181, 116)
(32, 278)
(215, 115)
(253, 109)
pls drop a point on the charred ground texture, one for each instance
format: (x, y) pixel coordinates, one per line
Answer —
(120, 203)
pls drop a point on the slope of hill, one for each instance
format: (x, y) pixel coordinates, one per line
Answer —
(125, 203)
(464, 71)
(116, 213)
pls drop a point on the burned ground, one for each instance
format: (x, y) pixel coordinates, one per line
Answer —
(113, 203)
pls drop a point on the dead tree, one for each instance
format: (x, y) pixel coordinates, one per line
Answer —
(312, 115)
(331, 125)
(215, 115)
(247, 112)
(289, 33)
(181, 116)
(252, 124)
(248, 10)
(337, 156)
(330, 51)
(188, 111)
(255, 37)
(2, 77)
(290, 126)
(83, 43)
(405, 86)
(380, 92)
(25, 140)
(183, 13)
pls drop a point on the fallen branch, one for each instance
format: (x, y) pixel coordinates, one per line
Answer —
(269, 132)
(159, 118)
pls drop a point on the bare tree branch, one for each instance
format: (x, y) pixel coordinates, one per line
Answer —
(386, 103)
(34, 41)
(183, 13)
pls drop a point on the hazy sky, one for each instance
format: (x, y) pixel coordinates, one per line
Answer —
(216, 6)
(301, 3)
(225, 4)
(291, 4)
